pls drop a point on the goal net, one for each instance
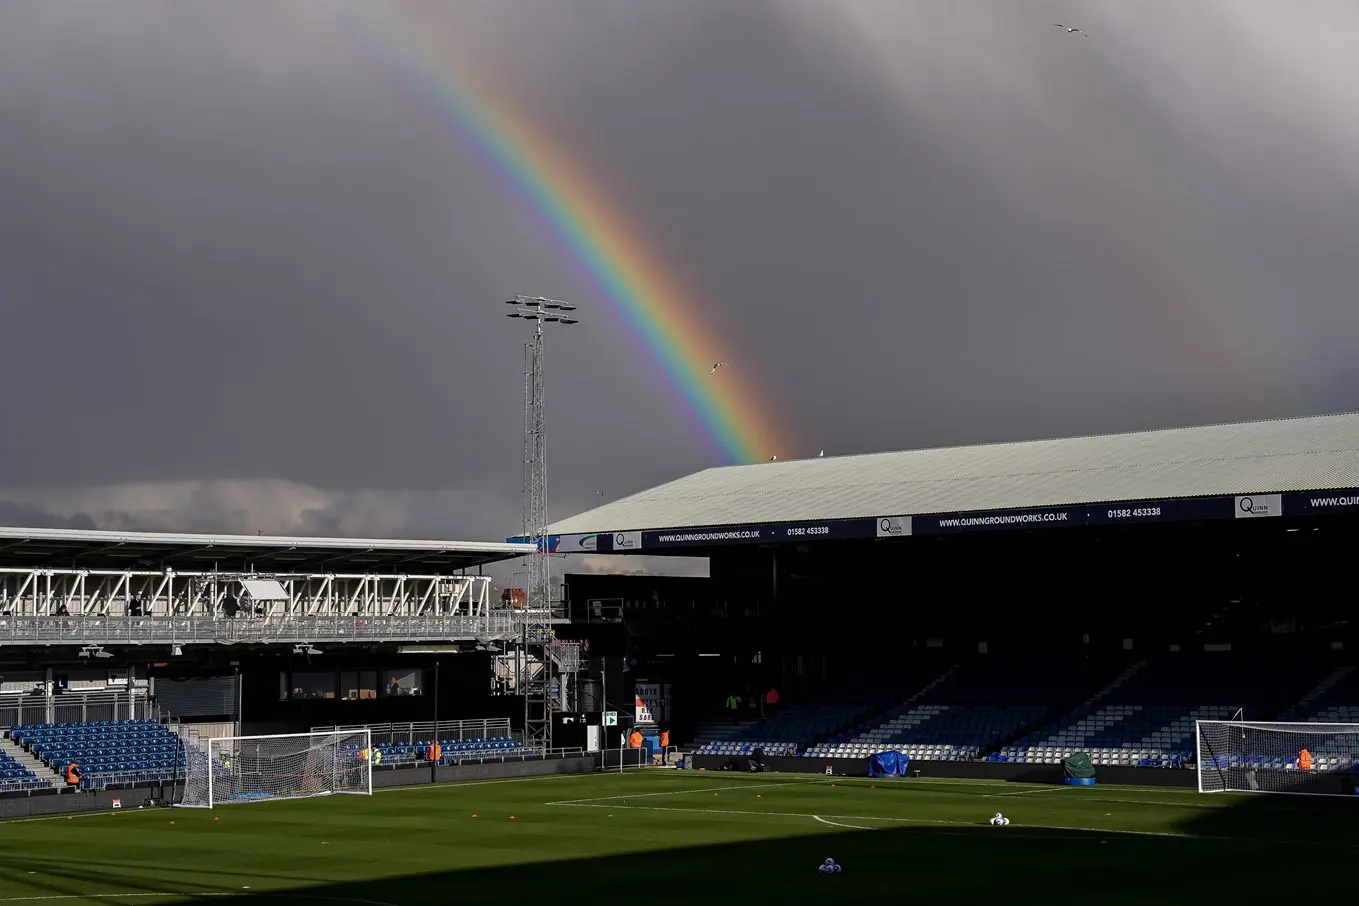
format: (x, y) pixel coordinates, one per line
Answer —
(1260, 757)
(253, 768)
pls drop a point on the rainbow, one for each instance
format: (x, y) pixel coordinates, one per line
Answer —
(591, 231)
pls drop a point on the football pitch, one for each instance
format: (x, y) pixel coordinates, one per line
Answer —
(726, 838)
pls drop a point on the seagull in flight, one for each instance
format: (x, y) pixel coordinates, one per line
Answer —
(718, 365)
(1071, 30)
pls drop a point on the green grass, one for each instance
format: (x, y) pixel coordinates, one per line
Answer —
(721, 837)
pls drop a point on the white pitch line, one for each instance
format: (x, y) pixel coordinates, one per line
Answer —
(924, 822)
(1052, 789)
(695, 789)
(205, 893)
(976, 825)
(849, 826)
(466, 783)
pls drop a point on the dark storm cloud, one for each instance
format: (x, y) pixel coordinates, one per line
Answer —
(250, 279)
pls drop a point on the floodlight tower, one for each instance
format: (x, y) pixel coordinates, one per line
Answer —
(537, 633)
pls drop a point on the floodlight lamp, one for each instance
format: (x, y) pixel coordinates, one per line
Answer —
(514, 314)
(569, 320)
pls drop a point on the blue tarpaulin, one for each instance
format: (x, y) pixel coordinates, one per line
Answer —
(888, 764)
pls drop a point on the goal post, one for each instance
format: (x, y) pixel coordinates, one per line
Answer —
(1270, 757)
(232, 769)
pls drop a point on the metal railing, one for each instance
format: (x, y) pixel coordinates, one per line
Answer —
(523, 754)
(424, 731)
(102, 780)
(20, 709)
(170, 630)
(478, 756)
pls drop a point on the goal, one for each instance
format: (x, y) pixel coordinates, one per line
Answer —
(292, 766)
(1265, 757)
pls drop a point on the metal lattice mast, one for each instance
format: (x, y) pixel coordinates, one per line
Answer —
(535, 683)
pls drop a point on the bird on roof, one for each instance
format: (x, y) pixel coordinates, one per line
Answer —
(1070, 29)
(774, 458)
(821, 454)
(717, 365)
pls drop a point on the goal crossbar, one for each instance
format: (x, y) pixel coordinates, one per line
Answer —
(235, 769)
(1294, 758)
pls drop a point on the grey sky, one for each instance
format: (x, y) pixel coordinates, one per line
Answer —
(250, 280)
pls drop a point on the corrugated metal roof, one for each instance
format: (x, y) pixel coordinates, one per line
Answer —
(29, 547)
(1298, 454)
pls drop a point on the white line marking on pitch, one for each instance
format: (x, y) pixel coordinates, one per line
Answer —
(692, 789)
(849, 826)
(924, 822)
(466, 783)
(975, 825)
(1051, 789)
(206, 893)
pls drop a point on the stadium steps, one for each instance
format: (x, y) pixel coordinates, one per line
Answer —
(931, 684)
(32, 762)
(717, 731)
(863, 731)
(1304, 706)
(1087, 714)
(1116, 682)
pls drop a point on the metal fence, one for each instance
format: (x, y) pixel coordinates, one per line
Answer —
(447, 730)
(102, 780)
(171, 630)
(75, 707)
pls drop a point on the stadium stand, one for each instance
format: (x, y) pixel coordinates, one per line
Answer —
(1334, 700)
(108, 752)
(15, 776)
(959, 718)
(835, 708)
(1147, 718)
(454, 750)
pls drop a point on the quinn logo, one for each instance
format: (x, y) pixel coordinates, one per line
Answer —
(1259, 505)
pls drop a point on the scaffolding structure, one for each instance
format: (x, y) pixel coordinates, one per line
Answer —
(102, 606)
(538, 686)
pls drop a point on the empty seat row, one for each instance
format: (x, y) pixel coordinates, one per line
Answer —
(106, 751)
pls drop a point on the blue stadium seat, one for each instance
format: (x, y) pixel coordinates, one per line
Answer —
(108, 752)
(837, 707)
(15, 776)
(454, 750)
(962, 716)
(1147, 718)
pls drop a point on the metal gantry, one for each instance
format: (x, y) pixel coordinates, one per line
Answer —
(92, 606)
(537, 686)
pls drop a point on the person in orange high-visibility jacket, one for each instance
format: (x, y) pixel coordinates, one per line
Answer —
(435, 752)
(635, 740)
(1304, 760)
(665, 744)
(73, 774)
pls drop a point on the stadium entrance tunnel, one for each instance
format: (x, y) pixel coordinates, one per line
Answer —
(580, 840)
